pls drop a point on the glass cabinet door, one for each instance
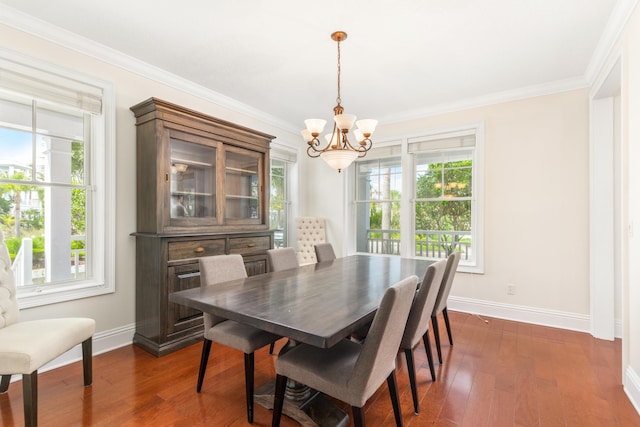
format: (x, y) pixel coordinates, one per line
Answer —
(192, 180)
(242, 185)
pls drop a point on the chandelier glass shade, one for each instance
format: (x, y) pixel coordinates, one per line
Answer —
(337, 150)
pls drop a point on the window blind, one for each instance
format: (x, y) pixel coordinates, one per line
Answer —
(49, 86)
(462, 139)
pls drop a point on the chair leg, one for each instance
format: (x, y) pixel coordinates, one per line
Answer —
(427, 349)
(412, 379)
(395, 401)
(206, 348)
(30, 397)
(87, 361)
(248, 384)
(358, 416)
(436, 334)
(4, 383)
(278, 400)
(445, 314)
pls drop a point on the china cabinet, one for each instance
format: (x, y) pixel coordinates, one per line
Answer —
(202, 189)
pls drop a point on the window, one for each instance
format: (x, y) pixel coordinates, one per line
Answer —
(443, 213)
(447, 188)
(282, 162)
(54, 153)
(378, 199)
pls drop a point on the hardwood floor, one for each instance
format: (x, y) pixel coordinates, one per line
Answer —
(497, 374)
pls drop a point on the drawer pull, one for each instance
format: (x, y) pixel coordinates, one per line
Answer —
(251, 245)
(199, 250)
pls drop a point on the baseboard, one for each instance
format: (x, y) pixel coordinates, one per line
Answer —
(631, 384)
(518, 313)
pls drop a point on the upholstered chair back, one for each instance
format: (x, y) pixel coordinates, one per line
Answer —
(447, 281)
(423, 303)
(282, 259)
(217, 269)
(9, 313)
(378, 356)
(310, 232)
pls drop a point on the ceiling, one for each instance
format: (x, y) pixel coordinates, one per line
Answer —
(401, 58)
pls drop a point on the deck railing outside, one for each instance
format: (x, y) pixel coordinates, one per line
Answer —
(24, 272)
(429, 243)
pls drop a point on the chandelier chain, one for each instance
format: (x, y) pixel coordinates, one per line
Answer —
(338, 99)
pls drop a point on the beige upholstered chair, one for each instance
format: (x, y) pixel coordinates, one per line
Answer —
(418, 323)
(282, 259)
(218, 269)
(27, 346)
(310, 231)
(441, 301)
(350, 371)
(324, 252)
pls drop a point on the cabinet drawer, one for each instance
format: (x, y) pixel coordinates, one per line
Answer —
(193, 249)
(243, 245)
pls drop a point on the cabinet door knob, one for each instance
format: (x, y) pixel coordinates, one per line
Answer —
(250, 245)
(199, 250)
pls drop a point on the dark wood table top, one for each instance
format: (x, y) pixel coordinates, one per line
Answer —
(317, 304)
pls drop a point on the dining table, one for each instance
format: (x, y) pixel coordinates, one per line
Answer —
(316, 304)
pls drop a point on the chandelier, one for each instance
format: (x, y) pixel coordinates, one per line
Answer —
(337, 150)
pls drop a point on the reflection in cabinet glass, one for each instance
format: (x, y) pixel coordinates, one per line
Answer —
(193, 180)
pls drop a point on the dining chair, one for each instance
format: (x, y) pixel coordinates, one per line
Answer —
(418, 324)
(324, 252)
(441, 301)
(27, 346)
(282, 259)
(214, 270)
(310, 231)
(349, 371)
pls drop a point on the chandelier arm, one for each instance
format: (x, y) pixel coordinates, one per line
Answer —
(312, 152)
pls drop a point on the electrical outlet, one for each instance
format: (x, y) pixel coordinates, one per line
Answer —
(511, 289)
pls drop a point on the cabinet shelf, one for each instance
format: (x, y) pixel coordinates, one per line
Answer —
(244, 171)
(191, 162)
(191, 193)
(234, 196)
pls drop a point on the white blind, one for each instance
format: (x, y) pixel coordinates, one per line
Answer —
(461, 139)
(283, 154)
(381, 152)
(49, 86)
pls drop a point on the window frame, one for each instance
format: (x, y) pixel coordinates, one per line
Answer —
(100, 233)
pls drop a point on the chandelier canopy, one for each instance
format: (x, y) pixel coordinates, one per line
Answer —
(338, 151)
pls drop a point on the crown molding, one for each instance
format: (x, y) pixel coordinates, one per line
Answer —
(615, 25)
(67, 39)
(489, 99)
